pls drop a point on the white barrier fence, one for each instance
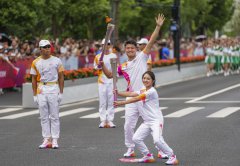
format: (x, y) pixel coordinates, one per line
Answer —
(87, 88)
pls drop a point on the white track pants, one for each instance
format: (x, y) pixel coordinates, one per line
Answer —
(143, 131)
(131, 118)
(106, 108)
(49, 114)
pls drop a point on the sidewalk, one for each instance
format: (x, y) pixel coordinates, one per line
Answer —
(164, 76)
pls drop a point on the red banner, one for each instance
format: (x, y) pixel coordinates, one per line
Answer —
(10, 76)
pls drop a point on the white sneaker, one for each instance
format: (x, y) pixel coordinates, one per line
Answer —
(147, 159)
(111, 124)
(226, 74)
(172, 160)
(162, 155)
(55, 143)
(130, 153)
(208, 74)
(102, 124)
(46, 144)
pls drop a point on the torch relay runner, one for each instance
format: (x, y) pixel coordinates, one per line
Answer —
(47, 85)
(132, 71)
(147, 100)
(105, 87)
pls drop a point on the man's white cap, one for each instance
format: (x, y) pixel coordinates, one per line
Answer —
(43, 43)
(163, 41)
(103, 41)
(223, 37)
(143, 41)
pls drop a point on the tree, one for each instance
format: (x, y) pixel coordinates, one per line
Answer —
(200, 16)
(233, 26)
(88, 17)
(138, 16)
(18, 17)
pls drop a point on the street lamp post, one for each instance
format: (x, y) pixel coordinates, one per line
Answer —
(175, 28)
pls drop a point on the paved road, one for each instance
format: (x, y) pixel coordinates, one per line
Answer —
(202, 119)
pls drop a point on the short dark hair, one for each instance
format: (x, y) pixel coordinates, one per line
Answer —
(133, 42)
(152, 75)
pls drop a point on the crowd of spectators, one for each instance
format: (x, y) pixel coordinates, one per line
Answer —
(77, 54)
(80, 53)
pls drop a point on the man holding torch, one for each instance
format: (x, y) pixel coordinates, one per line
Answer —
(105, 87)
(132, 71)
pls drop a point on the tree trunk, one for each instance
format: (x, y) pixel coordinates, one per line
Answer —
(116, 34)
(90, 29)
(54, 27)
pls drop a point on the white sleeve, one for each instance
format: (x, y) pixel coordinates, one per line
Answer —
(33, 71)
(144, 56)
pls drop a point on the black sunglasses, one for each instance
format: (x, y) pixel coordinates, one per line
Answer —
(47, 46)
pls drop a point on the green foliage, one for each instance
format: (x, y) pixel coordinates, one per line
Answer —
(86, 18)
(140, 20)
(17, 17)
(201, 16)
(59, 18)
(232, 28)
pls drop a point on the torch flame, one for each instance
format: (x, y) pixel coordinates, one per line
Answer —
(108, 19)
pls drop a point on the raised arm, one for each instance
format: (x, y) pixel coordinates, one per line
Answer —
(159, 21)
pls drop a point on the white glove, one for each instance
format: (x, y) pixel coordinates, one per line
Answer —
(59, 98)
(35, 99)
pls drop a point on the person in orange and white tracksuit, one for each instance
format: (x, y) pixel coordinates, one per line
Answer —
(132, 71)
(142, 43)
(147, 100)
(105, 89)
(47, 84)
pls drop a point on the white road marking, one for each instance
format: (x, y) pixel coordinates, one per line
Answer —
(34, 112)
(162, 108)
(214, 93)
(61, 106)
(183, 112)
(96, 115)
(177, 98)
(79, 103)
(19, 115)
(70, 112)
(11, 106)
(218, 102)
(224, 112)
(6, 110)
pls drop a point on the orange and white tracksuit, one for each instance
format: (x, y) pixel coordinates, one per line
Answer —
(152, 122)
(132, 71)
(47, 93)
(105, 89)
